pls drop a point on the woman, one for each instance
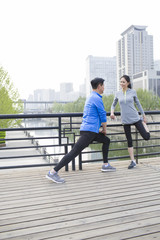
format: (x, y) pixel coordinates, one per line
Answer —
(129, 115)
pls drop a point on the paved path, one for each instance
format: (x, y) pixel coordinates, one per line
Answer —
(5, 152)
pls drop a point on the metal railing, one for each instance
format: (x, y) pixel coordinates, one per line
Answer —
(66, 126)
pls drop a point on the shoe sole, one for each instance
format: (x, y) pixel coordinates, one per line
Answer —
(53, 179)
(132, 167)
(108, 170)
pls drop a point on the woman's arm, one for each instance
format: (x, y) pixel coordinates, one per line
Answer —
(113, 107)
(140, 107)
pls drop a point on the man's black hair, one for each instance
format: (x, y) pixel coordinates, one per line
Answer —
(96, 81)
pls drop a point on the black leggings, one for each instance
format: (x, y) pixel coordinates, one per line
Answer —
(85, 139)
(140, 128)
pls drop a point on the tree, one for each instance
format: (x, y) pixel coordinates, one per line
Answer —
(108, 100)
(8, 96)
(148, 100)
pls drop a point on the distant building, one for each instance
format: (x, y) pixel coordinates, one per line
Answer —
(147, 80)
(134, 52)
(44, 95)
(82, 90)
(104, 67)
(157, 65)
(66, 87)
(67, 93)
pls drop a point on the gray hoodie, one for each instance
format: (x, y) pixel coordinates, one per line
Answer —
(129, 113)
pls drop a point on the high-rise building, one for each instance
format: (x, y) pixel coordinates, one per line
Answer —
(134, 52)
(147, 80)
(104, 67)
(157, 65)
(66, 92)
(66, 87)
(44, 95)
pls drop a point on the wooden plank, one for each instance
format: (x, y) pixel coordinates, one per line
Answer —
(87, 232)
(91, 205)
(151, 236)
(136, 234)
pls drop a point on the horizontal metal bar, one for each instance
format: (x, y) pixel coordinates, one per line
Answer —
(27, 129)
(40, 115)
(37, 146)
(30, 156)
(28, 138)
(56, 115)
(28, 166)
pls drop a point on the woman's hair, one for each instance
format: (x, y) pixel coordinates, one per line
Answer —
(127, 78)
(96, 81)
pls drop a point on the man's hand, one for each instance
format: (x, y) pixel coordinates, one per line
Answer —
(104, 128)
(104, 132)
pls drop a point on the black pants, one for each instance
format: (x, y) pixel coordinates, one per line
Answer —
(85, 139)
(140, 128)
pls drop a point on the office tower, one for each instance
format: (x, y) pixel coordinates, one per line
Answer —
(147, 80)
(104, 67)
(66, 87)
(157, 65)
(134, 52)
(44, 95)
(82, 90)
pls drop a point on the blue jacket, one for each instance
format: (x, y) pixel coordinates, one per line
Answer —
(94, 113)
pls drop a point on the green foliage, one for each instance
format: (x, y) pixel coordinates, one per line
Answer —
(76, 106)
(148, 100)
(8, 95)
(108, 100)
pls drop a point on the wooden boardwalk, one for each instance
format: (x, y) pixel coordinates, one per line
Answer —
(91, 205)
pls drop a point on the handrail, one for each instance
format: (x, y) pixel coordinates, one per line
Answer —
(67, 128)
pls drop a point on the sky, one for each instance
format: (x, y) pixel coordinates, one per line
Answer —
(46, 42)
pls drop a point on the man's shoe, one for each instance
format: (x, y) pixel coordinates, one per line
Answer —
(132, 165)
(108, 168)
(55, 177)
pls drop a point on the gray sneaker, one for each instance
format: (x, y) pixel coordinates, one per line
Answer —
(132, 165)
(108, 168)
(55, 178)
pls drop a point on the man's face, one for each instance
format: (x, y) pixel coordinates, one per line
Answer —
(101, 88)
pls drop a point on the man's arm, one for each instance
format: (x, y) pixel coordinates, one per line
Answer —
(104, 128)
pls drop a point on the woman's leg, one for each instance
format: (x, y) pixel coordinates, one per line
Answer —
(127, 130)
(143, 129)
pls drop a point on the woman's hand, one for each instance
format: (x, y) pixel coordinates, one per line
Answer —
(112, 116)
(144, 119)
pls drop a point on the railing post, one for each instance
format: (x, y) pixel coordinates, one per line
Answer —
(66, 151)
(59, 131)
(80, 161)
(136, 145)
(73, 163)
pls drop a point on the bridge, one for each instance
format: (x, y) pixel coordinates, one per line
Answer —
(38, 106)
(119, 205)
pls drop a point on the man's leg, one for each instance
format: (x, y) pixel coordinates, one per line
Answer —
(101, 138)
(85, 139)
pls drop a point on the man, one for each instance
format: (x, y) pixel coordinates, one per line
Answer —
(94, 116)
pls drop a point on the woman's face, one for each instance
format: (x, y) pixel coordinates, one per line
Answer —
(124, 84)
